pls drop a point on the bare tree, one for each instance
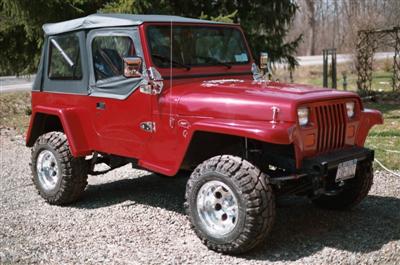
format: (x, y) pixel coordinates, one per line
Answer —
(335, 23)
(312, 26)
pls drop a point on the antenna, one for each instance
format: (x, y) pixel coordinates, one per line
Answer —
(171, 118)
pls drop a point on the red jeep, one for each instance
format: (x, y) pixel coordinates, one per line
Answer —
(167, 93)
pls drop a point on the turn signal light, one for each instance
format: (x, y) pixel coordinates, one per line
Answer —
(309, 140)
(350, 131)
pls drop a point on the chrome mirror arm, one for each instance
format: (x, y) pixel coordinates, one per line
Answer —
(153, 82)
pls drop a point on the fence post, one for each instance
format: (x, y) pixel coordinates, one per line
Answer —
(325, 68)
(334, 69)
(344, 80)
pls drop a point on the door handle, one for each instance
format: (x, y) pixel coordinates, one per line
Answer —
(100, 105)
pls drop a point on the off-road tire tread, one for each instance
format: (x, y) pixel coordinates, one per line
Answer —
(352, 195)
(254, 186)
(73, 170)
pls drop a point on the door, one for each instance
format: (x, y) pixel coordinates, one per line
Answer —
(119, 109)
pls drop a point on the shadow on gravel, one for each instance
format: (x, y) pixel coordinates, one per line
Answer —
(300, 230)
(153, 190)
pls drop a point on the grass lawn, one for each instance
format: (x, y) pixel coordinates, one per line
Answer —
(385, 139)
(381, 77)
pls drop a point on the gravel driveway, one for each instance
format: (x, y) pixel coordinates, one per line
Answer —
(135, 217)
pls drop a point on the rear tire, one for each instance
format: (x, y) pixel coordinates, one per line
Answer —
(59, 177)
(230, 204)
(354, 190)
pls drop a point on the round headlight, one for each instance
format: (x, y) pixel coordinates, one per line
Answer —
(350, 109)
(302, 114)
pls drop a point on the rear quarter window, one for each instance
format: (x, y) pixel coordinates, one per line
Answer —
(65, 58)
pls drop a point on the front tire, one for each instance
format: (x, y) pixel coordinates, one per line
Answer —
(59, 177)
(354, 190)
(230, 204)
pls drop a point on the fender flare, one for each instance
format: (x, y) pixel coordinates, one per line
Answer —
(277, 133)
(71, 124)
(369, 118)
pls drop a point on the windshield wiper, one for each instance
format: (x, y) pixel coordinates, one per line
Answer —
(215, 60)
(167, 59)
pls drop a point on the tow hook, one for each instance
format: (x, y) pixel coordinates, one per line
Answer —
(318, 185)
(335, 191)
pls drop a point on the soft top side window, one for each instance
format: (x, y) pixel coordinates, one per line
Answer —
(108, 53)
(65, 58)
(107, 47)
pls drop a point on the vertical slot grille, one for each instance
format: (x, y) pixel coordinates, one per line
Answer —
(331, 120)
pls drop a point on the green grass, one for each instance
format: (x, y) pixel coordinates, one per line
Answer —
(381, 77)
(384, 134)
(382, 82)
(385, 139)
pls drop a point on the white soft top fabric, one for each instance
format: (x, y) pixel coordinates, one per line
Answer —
(114, 20)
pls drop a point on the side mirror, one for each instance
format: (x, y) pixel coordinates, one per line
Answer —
(132, 67)
(264, 61)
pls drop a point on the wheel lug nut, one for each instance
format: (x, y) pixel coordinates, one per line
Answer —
(218, 195)
(224, 217)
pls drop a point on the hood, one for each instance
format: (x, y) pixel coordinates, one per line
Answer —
(239, 99)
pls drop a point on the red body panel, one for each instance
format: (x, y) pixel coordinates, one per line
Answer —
(114, 130)
(73, 120)
(192, 103)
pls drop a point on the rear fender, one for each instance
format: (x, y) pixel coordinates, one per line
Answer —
(72, 126)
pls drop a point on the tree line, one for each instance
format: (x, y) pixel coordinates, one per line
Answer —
(266, 23)
(335, 23)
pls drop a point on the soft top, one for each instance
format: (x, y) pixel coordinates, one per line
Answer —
(114, 20)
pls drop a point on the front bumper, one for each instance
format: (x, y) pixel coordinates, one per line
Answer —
(317, 176)
(322, 164)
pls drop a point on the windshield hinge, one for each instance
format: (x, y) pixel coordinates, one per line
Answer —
(146, 89)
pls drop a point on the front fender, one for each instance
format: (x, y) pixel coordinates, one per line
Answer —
(168, 159)
(276, 133)
(369, 118)
(72, 125)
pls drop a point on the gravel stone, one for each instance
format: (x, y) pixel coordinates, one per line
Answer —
(130, 216)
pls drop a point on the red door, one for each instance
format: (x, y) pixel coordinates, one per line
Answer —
(118, 107)
(118, 124)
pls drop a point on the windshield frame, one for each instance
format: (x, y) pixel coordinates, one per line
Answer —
(211, 26)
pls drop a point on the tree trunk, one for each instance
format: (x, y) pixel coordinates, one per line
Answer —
(312, 22)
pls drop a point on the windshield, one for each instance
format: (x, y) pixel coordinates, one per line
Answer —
(196, 46)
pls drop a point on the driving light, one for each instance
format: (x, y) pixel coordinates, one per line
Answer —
(350, 109)
(302, 114)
